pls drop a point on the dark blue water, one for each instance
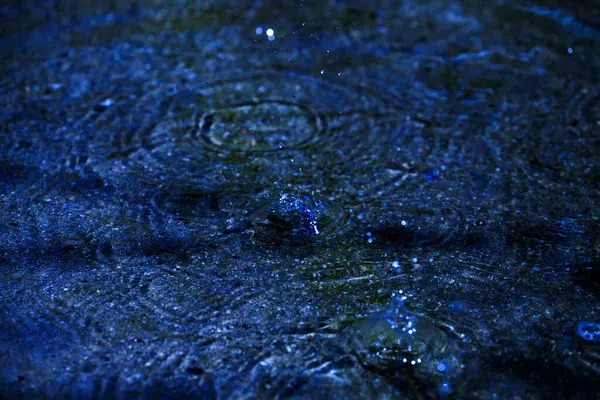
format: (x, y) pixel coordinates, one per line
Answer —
(299, 199)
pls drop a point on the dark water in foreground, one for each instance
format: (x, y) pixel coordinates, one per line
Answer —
(376, 199)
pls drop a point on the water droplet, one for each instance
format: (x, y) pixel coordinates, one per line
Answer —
(446, 388)
(294, 219)
(107, 103)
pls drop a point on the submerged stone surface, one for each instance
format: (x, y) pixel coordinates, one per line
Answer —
(242, 199)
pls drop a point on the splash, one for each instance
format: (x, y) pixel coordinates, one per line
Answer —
(291, 218)
(408, 347)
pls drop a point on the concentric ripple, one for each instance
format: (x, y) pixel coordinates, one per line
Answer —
(277, 110)
(250, 116)
(256, 113)
(397, 342)
(260, 126)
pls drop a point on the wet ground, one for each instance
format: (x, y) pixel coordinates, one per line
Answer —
(343, 199)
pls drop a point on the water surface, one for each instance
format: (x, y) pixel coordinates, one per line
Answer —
(343, 199)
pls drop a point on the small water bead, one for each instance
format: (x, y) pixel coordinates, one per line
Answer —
(107, 103)
(446, 388)
(432, 175)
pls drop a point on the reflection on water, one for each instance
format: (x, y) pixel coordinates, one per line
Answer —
(239, 199)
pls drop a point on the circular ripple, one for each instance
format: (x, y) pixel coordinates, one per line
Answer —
(257, 113)
(261, 126)
(328, 134)
(208, 124)
(276, 110)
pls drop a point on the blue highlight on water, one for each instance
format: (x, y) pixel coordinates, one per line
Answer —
(589, 331)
